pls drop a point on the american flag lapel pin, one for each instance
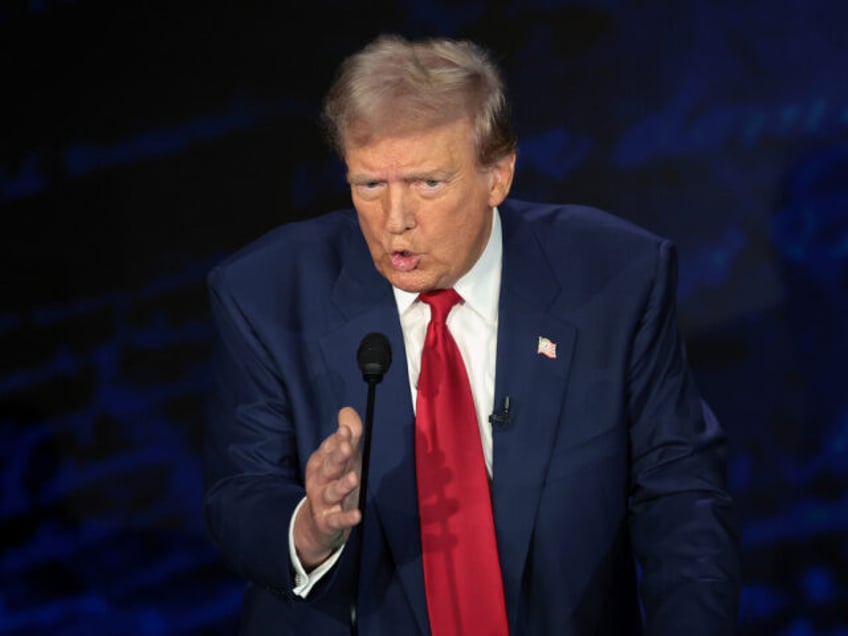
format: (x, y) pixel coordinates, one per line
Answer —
(546, 348)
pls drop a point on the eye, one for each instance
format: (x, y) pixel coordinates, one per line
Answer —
(429, 185)
(368, 189)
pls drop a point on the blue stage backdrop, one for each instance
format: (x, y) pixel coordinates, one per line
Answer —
(141, 145)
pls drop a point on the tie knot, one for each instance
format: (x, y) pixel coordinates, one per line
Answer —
(441, 301)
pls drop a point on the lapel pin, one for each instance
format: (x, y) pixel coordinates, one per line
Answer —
(546, 348)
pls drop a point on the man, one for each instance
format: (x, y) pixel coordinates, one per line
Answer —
(598, 454)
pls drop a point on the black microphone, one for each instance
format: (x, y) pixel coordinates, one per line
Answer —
(374, 357)
(501, 421)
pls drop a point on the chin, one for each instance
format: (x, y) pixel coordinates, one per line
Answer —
(410, 283)
(410, 287)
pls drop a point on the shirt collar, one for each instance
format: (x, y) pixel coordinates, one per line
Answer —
(479, 286)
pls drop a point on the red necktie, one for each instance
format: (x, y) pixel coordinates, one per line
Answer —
(462, 573)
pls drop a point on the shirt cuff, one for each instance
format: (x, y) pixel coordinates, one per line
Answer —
(303, 581)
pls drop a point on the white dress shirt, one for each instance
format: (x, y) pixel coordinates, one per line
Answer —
(474, 326)
(472, 323)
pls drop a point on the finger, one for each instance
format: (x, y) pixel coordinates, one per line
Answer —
(317, 534)
(342, 520)
(342, 447)
(333, 456)
(321, 469)
(349, 419)
(333, 441)
(336, 491)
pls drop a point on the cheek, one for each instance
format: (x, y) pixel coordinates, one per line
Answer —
(444, 231)
(466, 228)
(369, 222)
(457, 236)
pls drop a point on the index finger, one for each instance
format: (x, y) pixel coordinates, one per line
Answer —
(349, 419)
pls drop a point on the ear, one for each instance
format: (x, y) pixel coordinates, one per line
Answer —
(500, 174)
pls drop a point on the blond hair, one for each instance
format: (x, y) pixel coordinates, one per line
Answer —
(395, 85)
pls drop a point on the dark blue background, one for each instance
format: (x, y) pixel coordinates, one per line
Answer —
(139, 146)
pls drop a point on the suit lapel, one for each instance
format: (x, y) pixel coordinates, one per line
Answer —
(367, 303)
(535, 384)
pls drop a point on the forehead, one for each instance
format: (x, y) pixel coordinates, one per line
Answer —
(432, 146)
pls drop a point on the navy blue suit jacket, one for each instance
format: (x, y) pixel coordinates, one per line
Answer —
(609, 459)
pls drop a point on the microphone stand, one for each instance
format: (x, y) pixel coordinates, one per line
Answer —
(374, 357)
(363, 487)
(366, 445)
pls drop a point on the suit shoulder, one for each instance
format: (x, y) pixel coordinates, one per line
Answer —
(578, 231)
(313, 243)
(588, 251)
(579, 220)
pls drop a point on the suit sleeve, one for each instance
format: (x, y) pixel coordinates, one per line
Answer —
(681, 516)
(251, 471)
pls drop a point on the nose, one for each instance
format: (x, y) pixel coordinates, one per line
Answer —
(398, 207)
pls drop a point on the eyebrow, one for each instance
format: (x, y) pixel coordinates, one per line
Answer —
(437, 174)
(361, 178)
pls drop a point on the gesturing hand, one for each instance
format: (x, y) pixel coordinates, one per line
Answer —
(324, 521)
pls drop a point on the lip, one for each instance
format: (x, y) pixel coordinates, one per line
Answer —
(404, 260)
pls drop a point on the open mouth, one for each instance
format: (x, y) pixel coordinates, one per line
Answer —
(404, 260)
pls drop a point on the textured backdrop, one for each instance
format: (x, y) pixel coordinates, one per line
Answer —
(139, 146)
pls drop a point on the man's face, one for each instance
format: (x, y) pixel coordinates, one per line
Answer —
(424, 204)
